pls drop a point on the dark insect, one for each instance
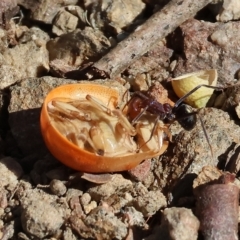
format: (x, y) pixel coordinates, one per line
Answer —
(141, 102)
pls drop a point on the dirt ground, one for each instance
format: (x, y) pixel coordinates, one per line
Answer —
(191, 191)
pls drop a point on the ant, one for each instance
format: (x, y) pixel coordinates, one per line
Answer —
(142, 102)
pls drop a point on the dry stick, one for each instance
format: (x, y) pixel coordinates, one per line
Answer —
(158, 26)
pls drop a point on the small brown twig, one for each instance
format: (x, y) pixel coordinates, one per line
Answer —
(158, 26)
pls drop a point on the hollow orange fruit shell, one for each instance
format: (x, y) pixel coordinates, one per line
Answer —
(74, 156)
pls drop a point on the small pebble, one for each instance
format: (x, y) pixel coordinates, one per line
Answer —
(181, 223)
(89, 207)
(140, 172)
(128, 196)
(40, 218)
(73, 193)
(10, 171)
(57, 187)
(85, 199)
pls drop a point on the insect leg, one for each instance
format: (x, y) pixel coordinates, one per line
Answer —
(180, 100)
(152, 132)
(139, 115)
(206, 135)
(189, 127)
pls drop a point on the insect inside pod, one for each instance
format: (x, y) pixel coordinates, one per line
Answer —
(83, 128)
